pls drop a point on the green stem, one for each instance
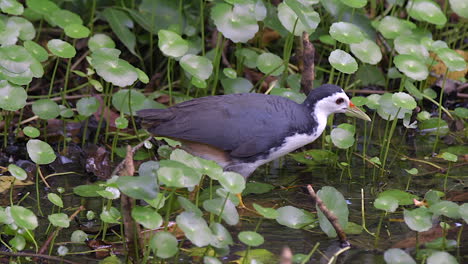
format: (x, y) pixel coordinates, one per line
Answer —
(51, 86)
(168, 209)
(217, 61)
(389, 140)
(304, 261)
(440, 111)
(377, 233)
(169, 78)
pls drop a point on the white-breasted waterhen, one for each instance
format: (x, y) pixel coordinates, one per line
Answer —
(243, 131)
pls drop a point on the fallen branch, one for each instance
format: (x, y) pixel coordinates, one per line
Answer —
(131, 228)
(120, 166)
(308, 71)
(54, 234)
(330, 216)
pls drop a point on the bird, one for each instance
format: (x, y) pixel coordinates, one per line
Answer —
(243, 131)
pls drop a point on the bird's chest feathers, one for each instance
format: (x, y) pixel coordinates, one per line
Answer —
(292, 143)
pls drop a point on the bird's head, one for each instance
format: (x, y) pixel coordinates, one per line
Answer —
(328, 99)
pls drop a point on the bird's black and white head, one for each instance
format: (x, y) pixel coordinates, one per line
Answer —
(328, 99)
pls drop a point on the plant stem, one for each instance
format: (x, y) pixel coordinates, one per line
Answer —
(217, 60)
(440, 111)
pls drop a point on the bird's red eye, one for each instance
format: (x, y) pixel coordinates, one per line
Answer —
(339, 101)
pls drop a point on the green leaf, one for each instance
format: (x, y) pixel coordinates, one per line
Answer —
(87, 190)
(270, 63)
(87, 106)
(12, 97)
(36, 50)
(393, 27)
(355, 3)
(17, 172)
(147, 217)
(23, 217)
(461, 112)
(117, 20)
(236, 26)
(78, 236)
(43, 7)
(198, 66)
(164, 244)
(342, 138)
(40, 152)
(386, 203)
(111, 216)
(251, 238)
(398, 256)
(342, 61)
(99, 40)
(18, 242)
(176, 174)
(236, 85)
(336, 204)
(459, 7)
(257, 188)
(59, 220)
(367, 51)
(411, 66)
(139, 187)
(63, 18)
(223, 207)
(77, 31)
(230, 73)
(463, 211)
(293, 15)
(412, 46)
(55, 199)
(446, 208)
(404, 100)
(293, 217)
(449, 157)
(426, 10)
(11, 7)
(46, 109)
(189, 206)
(345, 32)
(61, 48)
(441, 257)
(269, 213)
(453, 60)
(419, 219)
(171, 44)
(125, 99)
(221, 236)
(232, 182)
(402, 197)
(195, 228)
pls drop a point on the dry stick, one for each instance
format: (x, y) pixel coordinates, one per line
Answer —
(132, 230)
(134, 149)
(286, 256)
(34, 255)
(308, 70)
(330, 216)
(54, 234)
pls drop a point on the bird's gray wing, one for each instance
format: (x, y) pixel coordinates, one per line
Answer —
(242, 124)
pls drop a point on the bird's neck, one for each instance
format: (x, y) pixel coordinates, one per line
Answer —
(320, 113)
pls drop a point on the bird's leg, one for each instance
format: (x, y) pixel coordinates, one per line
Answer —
(241, 202)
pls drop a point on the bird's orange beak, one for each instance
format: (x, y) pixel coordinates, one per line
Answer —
(353, 110)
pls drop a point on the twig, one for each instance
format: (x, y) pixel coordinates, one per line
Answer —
(54, 234)
(335, 256)
(286, 256)
(330, 216)
(308, 71)
(131, 228)
(42, 177)
(134, 149)
(34, 255)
